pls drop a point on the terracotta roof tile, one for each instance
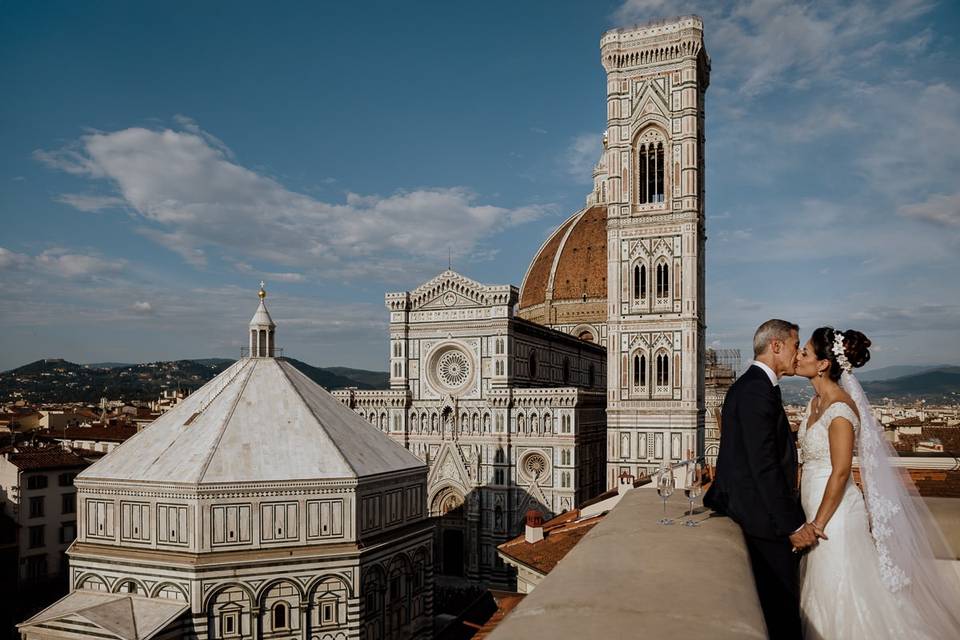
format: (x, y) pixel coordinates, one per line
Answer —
(35, 458)
(561, 534)
(112, 433)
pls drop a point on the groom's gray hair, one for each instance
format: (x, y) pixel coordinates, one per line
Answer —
(772, 330)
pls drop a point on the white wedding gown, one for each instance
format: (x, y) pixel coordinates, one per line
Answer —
(842, 596)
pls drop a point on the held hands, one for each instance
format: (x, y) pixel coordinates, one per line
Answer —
(807, 536)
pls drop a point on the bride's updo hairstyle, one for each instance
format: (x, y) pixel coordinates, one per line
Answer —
(856, 347)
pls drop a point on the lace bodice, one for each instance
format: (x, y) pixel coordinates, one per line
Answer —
(815, 440)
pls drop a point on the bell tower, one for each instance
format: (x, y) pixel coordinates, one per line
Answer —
(657, 75)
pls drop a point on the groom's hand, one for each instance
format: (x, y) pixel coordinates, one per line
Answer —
(804, 537)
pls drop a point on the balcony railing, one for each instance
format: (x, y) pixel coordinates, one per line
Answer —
(273, 353)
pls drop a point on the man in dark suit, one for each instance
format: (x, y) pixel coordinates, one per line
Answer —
(756, 477)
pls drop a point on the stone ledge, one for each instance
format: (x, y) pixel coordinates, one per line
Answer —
(630, 577)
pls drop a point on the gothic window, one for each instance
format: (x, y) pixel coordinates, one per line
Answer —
(498, 456)
(663, 370)
(663, 281)
(636, 371)
(639, 282)
(650, 173)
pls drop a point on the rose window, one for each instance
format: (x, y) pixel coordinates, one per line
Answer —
(534, 464)
(453, 369)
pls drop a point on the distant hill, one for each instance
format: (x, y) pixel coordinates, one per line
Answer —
(54, 380)
(374, 379)
(933, 384)
(107, 365)
(899, 371)
(329, 378)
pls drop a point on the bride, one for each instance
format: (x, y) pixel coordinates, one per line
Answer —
(875, 574)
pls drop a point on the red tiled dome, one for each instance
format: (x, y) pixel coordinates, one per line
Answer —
(566, 282)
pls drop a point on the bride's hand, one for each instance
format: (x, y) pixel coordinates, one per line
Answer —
(818, 530)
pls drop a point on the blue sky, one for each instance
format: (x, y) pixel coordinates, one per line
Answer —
(159, 159)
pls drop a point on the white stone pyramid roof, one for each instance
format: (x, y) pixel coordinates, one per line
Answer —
(261, 420)
(262, 317)
(113, 615)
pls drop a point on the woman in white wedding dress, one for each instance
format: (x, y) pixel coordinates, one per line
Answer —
(875, 573)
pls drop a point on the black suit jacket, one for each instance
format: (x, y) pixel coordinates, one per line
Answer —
(756, 474)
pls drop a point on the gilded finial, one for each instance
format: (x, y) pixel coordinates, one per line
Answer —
(262, 293)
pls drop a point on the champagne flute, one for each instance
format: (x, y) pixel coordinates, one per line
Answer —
(665, 487)
(693, 491)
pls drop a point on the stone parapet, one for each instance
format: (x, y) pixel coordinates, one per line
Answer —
(630, 576)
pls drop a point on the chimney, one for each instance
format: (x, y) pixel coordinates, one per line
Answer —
(534, 527)
(625, 484)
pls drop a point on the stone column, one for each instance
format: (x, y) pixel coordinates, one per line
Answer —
(255, 623)
(305, 619)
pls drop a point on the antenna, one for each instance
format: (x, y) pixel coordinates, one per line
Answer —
(449, 258)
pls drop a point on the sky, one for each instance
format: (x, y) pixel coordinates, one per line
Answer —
(159, 159)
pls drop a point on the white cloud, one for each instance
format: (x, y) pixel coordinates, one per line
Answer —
(85, 202)
(11, 259)
(768, 43)
(142, 307)
(61, 263)
(582, 155)
(938, 208)
(192, 197)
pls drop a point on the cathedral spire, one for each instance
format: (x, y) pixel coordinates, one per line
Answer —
(262, 329)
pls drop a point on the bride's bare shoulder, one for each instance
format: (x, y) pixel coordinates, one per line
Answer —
(845, 398)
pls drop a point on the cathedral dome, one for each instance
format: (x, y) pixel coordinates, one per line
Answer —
(566, 284)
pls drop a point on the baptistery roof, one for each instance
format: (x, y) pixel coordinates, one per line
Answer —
(261, 420)
(566, 282)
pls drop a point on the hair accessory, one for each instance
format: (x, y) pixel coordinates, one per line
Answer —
(840, 353)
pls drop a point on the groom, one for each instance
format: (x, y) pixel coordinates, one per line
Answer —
(756, 477)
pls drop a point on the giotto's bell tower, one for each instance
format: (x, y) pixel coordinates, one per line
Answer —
(657, 75)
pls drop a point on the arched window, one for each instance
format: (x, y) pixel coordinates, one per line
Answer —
(643, 371)
(280, 615)
(636, 371)
(663, 280)
(636, 282)
(650, 173)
